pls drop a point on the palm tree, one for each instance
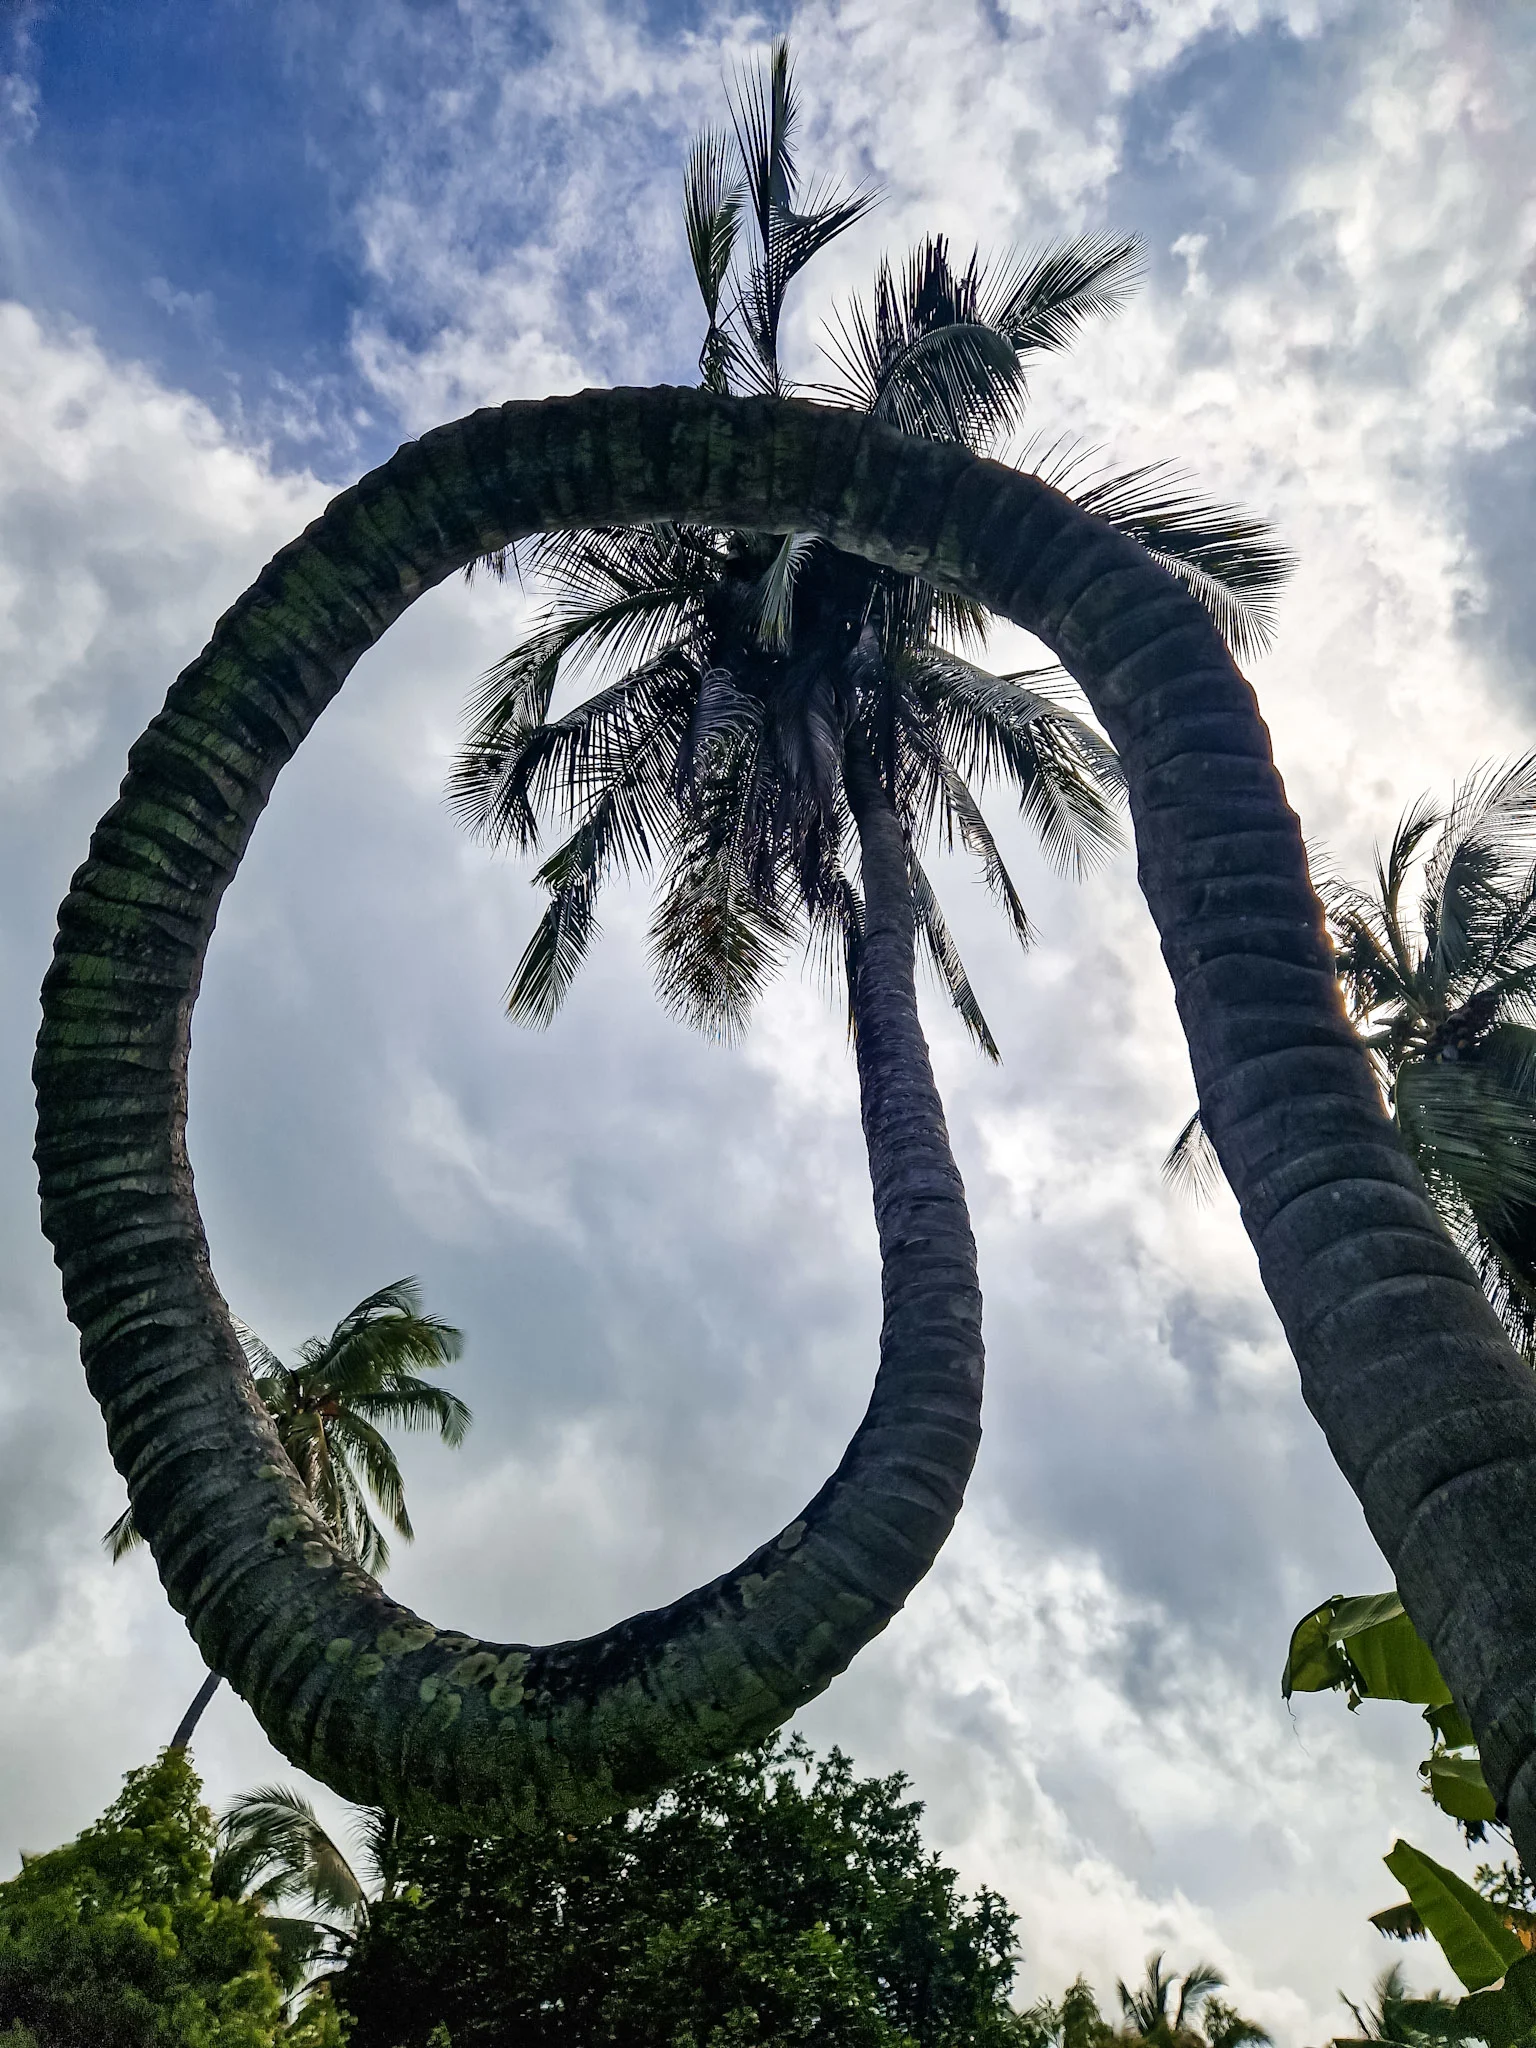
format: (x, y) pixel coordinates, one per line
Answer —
(273, 1851)
(328, 1408)
(1148, 2016)
(1429, 1413)
(765, 698)
(1396, 2014)
(1445, 1001)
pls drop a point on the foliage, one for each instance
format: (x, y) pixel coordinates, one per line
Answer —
(1445, 998)
(273, 1851)
(120, 1937)
(1471, 1931)
(1390, 2017)
(329, 1406)
(1172, 2011)
(729, 672)
(773, 1898)
(1366, 1647)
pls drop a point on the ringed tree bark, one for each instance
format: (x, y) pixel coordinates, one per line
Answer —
(1429, 1413)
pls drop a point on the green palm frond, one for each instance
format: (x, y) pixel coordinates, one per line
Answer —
(123, 1536)
(1196, 1985)
(365, 1455)
(976, 837)
(923, 358)
(560, 943)
(1466, 1129)
(258, 1356)
(273, 1833)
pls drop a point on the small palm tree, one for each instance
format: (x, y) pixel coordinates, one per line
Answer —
(273, 1851)
(1146, 2008)
(1445, 998)
(1397, 2015)
(331, 1407)
(767, 697)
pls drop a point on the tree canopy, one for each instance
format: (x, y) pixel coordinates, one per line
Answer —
(121, 1938)
(776, 1898)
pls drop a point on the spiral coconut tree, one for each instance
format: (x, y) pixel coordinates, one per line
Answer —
(1429, 1413)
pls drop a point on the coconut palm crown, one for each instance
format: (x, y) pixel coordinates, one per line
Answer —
(744, 677)
(333, 1404)
(1443, 992)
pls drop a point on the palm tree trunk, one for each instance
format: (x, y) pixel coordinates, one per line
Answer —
(1429, 1413)
(194, 1713)
(928, 1255)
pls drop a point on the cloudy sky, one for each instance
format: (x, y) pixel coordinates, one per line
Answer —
(244, 250)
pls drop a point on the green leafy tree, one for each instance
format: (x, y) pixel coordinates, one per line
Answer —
(774, 1898)
(121, 1938)
(1443, 991)
(331, 1408)
(766, 700)
(1072, 2022)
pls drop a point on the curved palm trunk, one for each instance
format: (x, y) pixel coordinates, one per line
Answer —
(1429, 1413)
(928, 1255)
(186, 1726)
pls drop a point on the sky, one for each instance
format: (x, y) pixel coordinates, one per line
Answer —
(247, 247)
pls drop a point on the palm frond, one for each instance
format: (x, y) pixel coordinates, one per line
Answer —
(923, 358)
(1225, 557)
(1195, 1987)
(1068, 778)
(713, 196)
(258, 1356)
(943, 954)
(123, 1536)
(1190, 1166)
(1039, 302)
(370, 1461)
(722, 713)
(275, 1830)
(1470, 1132)
(714, 944)
(776, 592)
(416, 1406)
(976, 837)
(551, 958)
(790, 229)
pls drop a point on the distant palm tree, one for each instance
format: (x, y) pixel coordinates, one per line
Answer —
(328, 1407)
(1445, 998)
(273, 1852)
(1397, 2014)
(1146, 2008)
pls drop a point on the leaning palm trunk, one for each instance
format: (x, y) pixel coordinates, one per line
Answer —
(186, 1727)
(1429, 1413)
